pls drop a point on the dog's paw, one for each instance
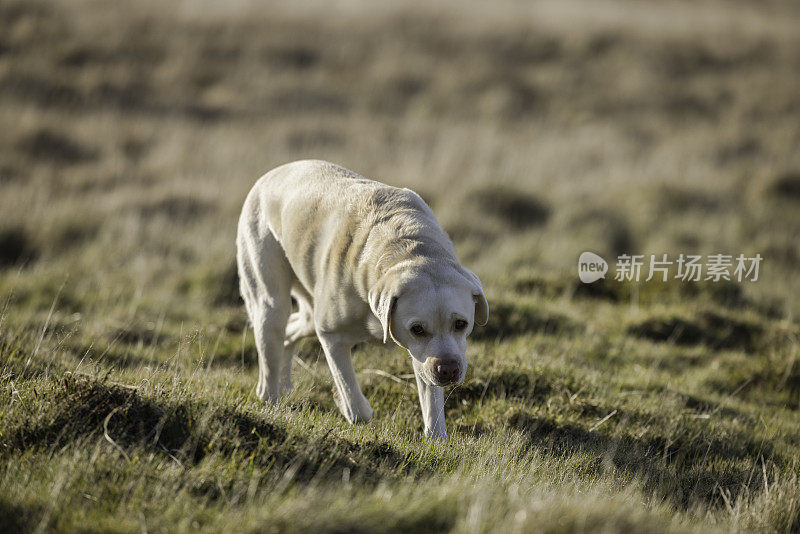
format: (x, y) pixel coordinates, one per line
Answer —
(357, 411)
(265, 394)
(436, 434)
(365, 413)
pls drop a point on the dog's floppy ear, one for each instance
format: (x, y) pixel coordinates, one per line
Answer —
(481, 308)
(382, 299)
(481, 304)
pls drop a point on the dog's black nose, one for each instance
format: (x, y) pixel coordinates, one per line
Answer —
(447, 370)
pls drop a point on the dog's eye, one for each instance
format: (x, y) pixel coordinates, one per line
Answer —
(417, 330)
(460, 325)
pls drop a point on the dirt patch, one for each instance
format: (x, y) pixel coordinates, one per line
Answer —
(523, 48)
(130, 51)
(609, 230)
(309, 100)
(786, 186)
(135, 148)
(603, 289)
(694, 58)
(80, 407)
(707, 328)
(180, 209)
(44, 92)
(292, 57)
(17, 518)
(749, 147)
(138, 334)
(517, 209)
(67, 234)
(10, 174)
(50, 146)
(316, 138)
(16, 247)
(678, 200)
(509, 320)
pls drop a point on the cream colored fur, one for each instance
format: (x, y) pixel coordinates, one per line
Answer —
(362, 259)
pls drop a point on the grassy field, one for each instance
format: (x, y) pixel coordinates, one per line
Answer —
(131, 133)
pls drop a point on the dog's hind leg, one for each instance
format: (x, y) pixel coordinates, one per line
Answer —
(301, 322)
(300, 325)
(265, 280)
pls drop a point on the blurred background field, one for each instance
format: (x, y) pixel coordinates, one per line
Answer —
(130, 134)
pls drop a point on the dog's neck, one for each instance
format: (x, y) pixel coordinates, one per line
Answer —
(411, 255)
(398, 241)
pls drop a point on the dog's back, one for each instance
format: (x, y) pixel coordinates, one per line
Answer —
(324, 216)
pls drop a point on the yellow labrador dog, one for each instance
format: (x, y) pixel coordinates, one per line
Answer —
(361, 259)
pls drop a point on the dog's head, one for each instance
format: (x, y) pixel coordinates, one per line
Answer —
(430, 312)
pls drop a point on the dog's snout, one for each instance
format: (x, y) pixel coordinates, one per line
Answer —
(447, 370)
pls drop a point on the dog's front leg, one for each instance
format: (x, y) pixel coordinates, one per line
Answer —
(352, 403)
(431, 399)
